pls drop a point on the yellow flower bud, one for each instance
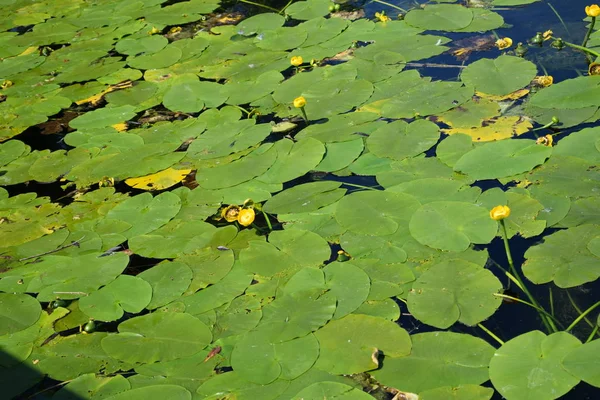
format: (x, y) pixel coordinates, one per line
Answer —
(498, 213)
(543, 81)
(246, 216)
(296, 61)
(592, 11)
(230, 213)
(504, 43)
(299, 102)
(594, 69)
(545, 140)
(547, 35)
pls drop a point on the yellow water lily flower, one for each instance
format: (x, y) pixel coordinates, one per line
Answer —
(592, 11)
(594, 69)
(296, 61)
(543, 81)
(498, 213)
(545, 140)
(382, 17)
(246, 216)
(299, 102)
(230, 213)
(504, 43)
(547, 35)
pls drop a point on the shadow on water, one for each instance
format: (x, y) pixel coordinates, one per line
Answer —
(19, 381)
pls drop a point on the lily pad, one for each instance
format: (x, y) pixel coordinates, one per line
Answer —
(157, 337)
(126, 293)
(17, 312)
(352, 344)
(499, 76)
(529, 366)
(443, 17)
(455, 290)
(582, 363)
(452, 225)
(438, 359)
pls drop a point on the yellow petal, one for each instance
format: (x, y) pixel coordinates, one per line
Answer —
(160, 180)
(121, 126)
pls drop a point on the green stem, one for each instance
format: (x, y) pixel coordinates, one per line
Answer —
(551, 299)
(584, 49)
(304, 115)
(559, 17)
(486, 330)
(359, 186)
(594, 331)
(260, 5)
(548, 125)
(389, 5)
(548, 323)
(286, 6)
(576, 307)
(539, 309)
(582, 316)
(267, 219)
(589, 32)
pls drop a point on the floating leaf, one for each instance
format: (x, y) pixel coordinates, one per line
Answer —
(304, 198)
(444, 17)
(157, 337)
(438, 359)
(564, 258)
(583, 363)
(17, 312)
(499, 76)
(571, 94)
(173, 392)
(453, 291)
(400, 140)
(168, 281)
(348, 344)
(502, 159)
(529, 366)
(126, 293)
(331, 390)
(160, 180)
(452, 225)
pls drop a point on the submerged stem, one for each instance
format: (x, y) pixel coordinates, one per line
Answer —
(260, 5)
(385, 3)
(582, 316)
(267, 219)
(576, 307)
(492, 335)
(550, 326)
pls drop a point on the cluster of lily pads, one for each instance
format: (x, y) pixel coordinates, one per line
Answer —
(152, 275)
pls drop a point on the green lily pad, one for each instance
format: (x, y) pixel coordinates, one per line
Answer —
(438, 359)
(126, 293)
(67, 277)
(304, 198)
(157, 337)
(66, 358)
(17, 312)
(375, 212)
(90, 385)
(452, 225)
(168, 281)
(503, 158)
(583, 364)
(259, 360)
(529, 366)
(146, 213)
(462, 392)
(174, 392)
(331, 390)
(499, 76)
(455, 290)
(571, 94)
(564, 258)
(400, 140)
(293, 159)
(442, 17)
(348, 344)
(103, 117)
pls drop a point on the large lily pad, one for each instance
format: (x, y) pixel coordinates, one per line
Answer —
(529, 366)
(455, 290)
(499, 76)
